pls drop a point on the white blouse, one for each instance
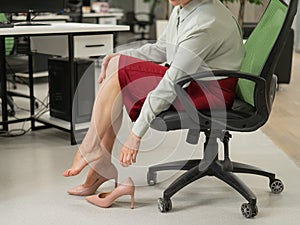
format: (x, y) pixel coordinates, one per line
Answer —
(203, 35)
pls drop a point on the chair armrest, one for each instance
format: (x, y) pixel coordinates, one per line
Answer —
(260, 95)
(219, 73)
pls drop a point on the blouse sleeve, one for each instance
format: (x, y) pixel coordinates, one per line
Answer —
(155, 52)
(187, 60)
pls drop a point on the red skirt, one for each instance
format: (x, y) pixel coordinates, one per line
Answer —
(138, 77)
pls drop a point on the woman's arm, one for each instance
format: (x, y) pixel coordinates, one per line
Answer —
(160, 99)
(155, 52)
(151, 52)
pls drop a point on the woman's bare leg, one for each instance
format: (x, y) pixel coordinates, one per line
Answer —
(94, 173)
(108, 141)
(107, 107)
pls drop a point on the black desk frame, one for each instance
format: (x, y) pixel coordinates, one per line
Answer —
(5, 122)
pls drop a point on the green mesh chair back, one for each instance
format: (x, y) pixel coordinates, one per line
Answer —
(9, 41)
(259, 46)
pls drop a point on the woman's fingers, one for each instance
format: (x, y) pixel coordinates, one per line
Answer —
(104, 65)
(101, 77)
(123, 161)
(129, 150)
(127, 156)
(103, 70)
(134, 156)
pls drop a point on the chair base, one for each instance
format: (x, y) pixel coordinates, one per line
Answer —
(222, 169)
(10, 101)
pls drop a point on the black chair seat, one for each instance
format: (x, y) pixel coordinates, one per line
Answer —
(175, 120)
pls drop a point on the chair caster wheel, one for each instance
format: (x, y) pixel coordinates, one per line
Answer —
(11, 113)
(36, 105)
(164, 205)
(151, 178)
(276, 186)
(248, 210)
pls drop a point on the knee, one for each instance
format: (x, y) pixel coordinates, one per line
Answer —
(113, 66)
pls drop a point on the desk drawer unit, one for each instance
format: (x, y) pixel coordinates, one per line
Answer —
(84, 45)
(94, 45)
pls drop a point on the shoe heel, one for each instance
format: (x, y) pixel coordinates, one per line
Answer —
(116, 182)
(132, 201)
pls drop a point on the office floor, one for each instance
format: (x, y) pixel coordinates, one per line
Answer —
(32, 190)
(283, 125)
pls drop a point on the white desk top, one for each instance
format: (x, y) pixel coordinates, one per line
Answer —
(61, 28)
(95, 15)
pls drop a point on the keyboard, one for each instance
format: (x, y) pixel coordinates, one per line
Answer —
(6, 25)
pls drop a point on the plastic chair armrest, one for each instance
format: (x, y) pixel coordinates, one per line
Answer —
(260, 95)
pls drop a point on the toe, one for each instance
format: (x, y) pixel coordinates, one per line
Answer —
(67, 173)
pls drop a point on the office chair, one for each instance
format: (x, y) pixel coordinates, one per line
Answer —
(251, 109)
(135, 19)
(15, 63)
(74, 10)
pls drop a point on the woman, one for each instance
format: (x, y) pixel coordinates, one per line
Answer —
(201, 35)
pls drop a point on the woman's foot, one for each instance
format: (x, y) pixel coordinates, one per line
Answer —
(93, 181)
(80, 161)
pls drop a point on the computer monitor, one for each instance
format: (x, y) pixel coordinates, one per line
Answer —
(86, 2)
(31, 6)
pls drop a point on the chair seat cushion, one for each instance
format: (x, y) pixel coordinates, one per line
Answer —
(174, 120)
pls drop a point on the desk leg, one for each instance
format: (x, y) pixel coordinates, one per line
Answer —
(3, 83)
(31, 87)
(73, 86)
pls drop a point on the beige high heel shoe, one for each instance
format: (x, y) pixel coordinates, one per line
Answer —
(105, 200)
(80, 190)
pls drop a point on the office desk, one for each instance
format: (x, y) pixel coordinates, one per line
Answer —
(103, 16)
(74, 36)
(66, 18)
(49, 17)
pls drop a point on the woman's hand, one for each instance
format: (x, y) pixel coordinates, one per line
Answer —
(129, 150)
(104, 64)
